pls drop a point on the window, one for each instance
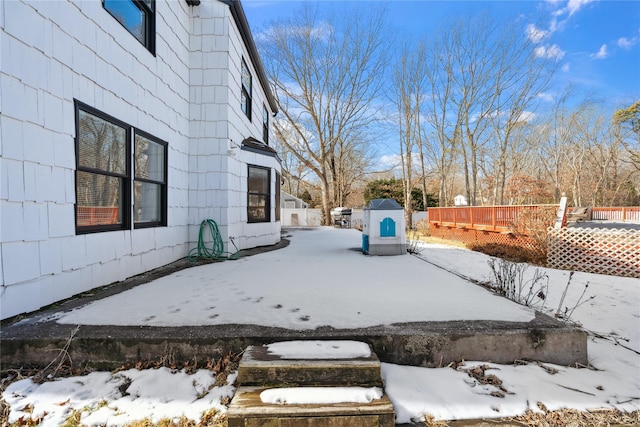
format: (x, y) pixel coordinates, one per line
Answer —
(149, 189)
(245, 96)
(265, 125)
(104, 174)
(259, 195)
(137, 16)
(102, 171)
(278, 185)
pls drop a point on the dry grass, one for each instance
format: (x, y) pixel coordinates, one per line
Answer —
(221, 368)
(546, 418)
(572, 417)
(210, 419)
(435, 240)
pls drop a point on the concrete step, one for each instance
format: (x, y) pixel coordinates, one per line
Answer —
(248, 410)
(259, 366)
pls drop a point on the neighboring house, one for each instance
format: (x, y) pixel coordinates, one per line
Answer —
(290, 201)
(460, 200)
(124, 125)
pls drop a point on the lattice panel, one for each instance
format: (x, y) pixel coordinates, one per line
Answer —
(605, 251)
(468, 235)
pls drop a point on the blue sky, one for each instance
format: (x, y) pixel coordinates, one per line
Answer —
(596, 42)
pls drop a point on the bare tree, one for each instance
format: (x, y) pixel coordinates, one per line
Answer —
(518, 85)
(349, 167)
(554, 136)
(626, 130)
(484, 78)
(294, 172)
(408, 88)
(604, 180)
(582, 154)
(628, 122)
(443, 123)
(326, 74)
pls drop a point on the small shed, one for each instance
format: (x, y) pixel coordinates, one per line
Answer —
(383, 228)
(289, 201)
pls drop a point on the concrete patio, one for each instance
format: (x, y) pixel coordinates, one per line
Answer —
(315, 284)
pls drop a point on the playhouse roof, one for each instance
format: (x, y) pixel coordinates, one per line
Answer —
(384, 205)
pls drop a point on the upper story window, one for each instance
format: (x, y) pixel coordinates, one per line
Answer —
(137, 16)
(245, 96)
(104, 177)
(265, 125)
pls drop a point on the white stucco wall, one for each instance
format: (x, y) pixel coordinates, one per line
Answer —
(53, 53)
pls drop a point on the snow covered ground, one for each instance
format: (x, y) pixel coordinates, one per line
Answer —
(319, 279)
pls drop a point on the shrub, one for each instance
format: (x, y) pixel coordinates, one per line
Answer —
(534, 223)
(511, 252)
(509, 281)
(422, 226)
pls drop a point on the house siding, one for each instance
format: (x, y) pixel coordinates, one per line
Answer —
(53, 53)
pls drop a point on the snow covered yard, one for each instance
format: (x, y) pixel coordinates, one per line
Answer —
(280, 288)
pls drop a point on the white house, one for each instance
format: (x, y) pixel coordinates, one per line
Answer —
(125, 124)
(460, 200)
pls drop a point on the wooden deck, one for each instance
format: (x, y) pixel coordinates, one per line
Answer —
(487, 224)
(500, 219)
(629, 213)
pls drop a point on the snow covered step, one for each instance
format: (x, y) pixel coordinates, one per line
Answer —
(335, 363)
(255, 407)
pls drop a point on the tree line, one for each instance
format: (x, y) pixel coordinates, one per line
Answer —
(468, 108)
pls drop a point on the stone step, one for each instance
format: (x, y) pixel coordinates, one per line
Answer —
(262, 366)
(248, 410)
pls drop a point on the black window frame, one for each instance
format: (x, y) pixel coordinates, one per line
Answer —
(265, 124)
(162, 221)
(128, 178)
(148, 10)
(251, 218)
(246, 92)
(125, 198)
(278, 195)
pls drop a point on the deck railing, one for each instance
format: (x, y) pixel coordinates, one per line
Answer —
(629, 213)
(487, 218)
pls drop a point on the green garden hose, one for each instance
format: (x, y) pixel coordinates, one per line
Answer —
(217, 245)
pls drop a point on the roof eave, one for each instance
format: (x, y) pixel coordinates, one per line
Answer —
(241, 20)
